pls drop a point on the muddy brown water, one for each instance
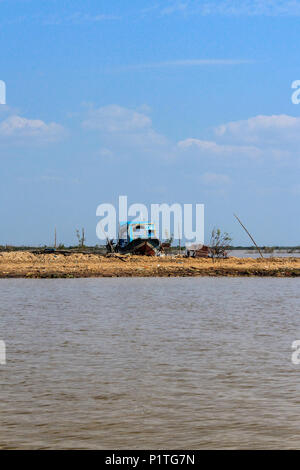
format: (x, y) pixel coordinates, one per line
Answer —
(150, 363)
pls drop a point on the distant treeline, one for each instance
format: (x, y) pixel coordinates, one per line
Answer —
(97, 248)
(265, 248)
(172, 249)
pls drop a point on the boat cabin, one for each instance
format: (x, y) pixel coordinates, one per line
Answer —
(130, 231)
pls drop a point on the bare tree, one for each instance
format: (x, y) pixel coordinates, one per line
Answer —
(81, 239)
(219, 243)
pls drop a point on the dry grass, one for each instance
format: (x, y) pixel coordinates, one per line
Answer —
(28, 265)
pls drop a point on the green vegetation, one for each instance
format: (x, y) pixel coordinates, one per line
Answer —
(219, 243)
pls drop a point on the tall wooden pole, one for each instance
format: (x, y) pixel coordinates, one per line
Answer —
(248, 234)
(82, 238)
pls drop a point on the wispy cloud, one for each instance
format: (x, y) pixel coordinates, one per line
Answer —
(123, 130)
(268, 130)
(257, 139)
(276, 137)
(176, 7)
(231, 7)
(79, 18)
(114, 119)
(76, 18)
(251, 8)
(207, 147)
(189, 63)
(214, 179)
(17, 129)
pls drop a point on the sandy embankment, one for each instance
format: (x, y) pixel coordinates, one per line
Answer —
(28, 265)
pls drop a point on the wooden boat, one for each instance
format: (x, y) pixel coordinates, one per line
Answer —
(137, 238)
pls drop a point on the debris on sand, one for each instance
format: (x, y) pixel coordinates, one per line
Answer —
(55, 265)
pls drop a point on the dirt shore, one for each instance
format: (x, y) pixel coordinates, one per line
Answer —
(28, 265)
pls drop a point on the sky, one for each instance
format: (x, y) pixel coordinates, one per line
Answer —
(170, 101)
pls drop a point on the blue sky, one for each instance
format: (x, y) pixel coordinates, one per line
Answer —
(164, 101)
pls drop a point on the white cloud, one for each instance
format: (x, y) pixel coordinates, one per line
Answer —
(276, 137)
(268, 130)
(126, 130)
(129, 132)
(115, 118)
(77, 18)
(235, 7)
(48, 179)
(296, 189)
(87, 17)
(16, 129)
(208, 147)
(188, 63)
(179, 6)
(215, 179)
(105, 152)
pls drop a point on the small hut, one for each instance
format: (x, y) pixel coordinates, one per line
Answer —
(197, 251)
